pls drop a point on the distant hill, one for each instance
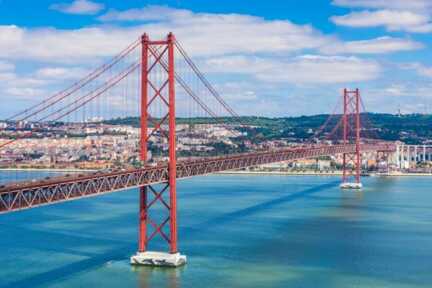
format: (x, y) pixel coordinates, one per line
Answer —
(411, 128)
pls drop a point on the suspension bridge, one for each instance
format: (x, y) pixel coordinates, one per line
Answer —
(158, 82)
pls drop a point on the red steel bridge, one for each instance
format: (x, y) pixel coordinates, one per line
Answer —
(161, 77)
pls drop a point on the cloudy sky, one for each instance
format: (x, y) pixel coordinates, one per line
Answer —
(272, 58)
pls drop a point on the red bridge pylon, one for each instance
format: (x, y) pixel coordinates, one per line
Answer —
(158, 91)
(351, 135)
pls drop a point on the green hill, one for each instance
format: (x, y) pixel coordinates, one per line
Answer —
(412, 128)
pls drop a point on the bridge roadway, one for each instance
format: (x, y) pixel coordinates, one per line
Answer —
(30, 194)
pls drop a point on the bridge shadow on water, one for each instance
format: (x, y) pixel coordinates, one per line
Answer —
(232, 216)
(123, 250)
(69, 270)
(60, 244)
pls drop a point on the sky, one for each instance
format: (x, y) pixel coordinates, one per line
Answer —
(267, 58)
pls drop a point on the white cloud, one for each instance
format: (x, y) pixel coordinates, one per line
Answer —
(202, 33)
(395, 90)
(6, 76)
(408, 97)
(425, 71)
(67, 46)
(60, 73)
(385, 4)
(240, 64)
(9, 78)
(209, 34)
(24, 92)
(262, 98)
(426, 28)
(321, 69)
(421, 69)
(149, 13)
(263, 55)
(19, 86)
(373, 46)
(307, 69)
(241, 91)
(6, 66)
(393, 20)
(85, 7)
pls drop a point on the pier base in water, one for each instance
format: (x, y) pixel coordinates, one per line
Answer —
(347, 185)
(158, 259)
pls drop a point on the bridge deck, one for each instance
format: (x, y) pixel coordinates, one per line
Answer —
(25, 195)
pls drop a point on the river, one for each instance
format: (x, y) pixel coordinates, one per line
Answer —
(237, 231)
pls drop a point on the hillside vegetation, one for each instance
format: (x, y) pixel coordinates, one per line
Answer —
(412, 128)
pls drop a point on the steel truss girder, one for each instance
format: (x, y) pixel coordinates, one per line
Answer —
(25, 195)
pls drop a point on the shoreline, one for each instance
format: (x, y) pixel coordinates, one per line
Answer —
(229, 172)
(233, 172)
(338, 173)
(72, 170)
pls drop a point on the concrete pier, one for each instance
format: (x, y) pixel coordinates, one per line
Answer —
(348, 185)
(159, 259)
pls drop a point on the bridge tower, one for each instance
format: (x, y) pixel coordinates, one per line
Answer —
(158, 57)
(351, 135)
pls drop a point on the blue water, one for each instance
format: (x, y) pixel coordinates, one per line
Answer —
(237, 231)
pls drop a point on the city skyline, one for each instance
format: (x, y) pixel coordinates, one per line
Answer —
(309, 54)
